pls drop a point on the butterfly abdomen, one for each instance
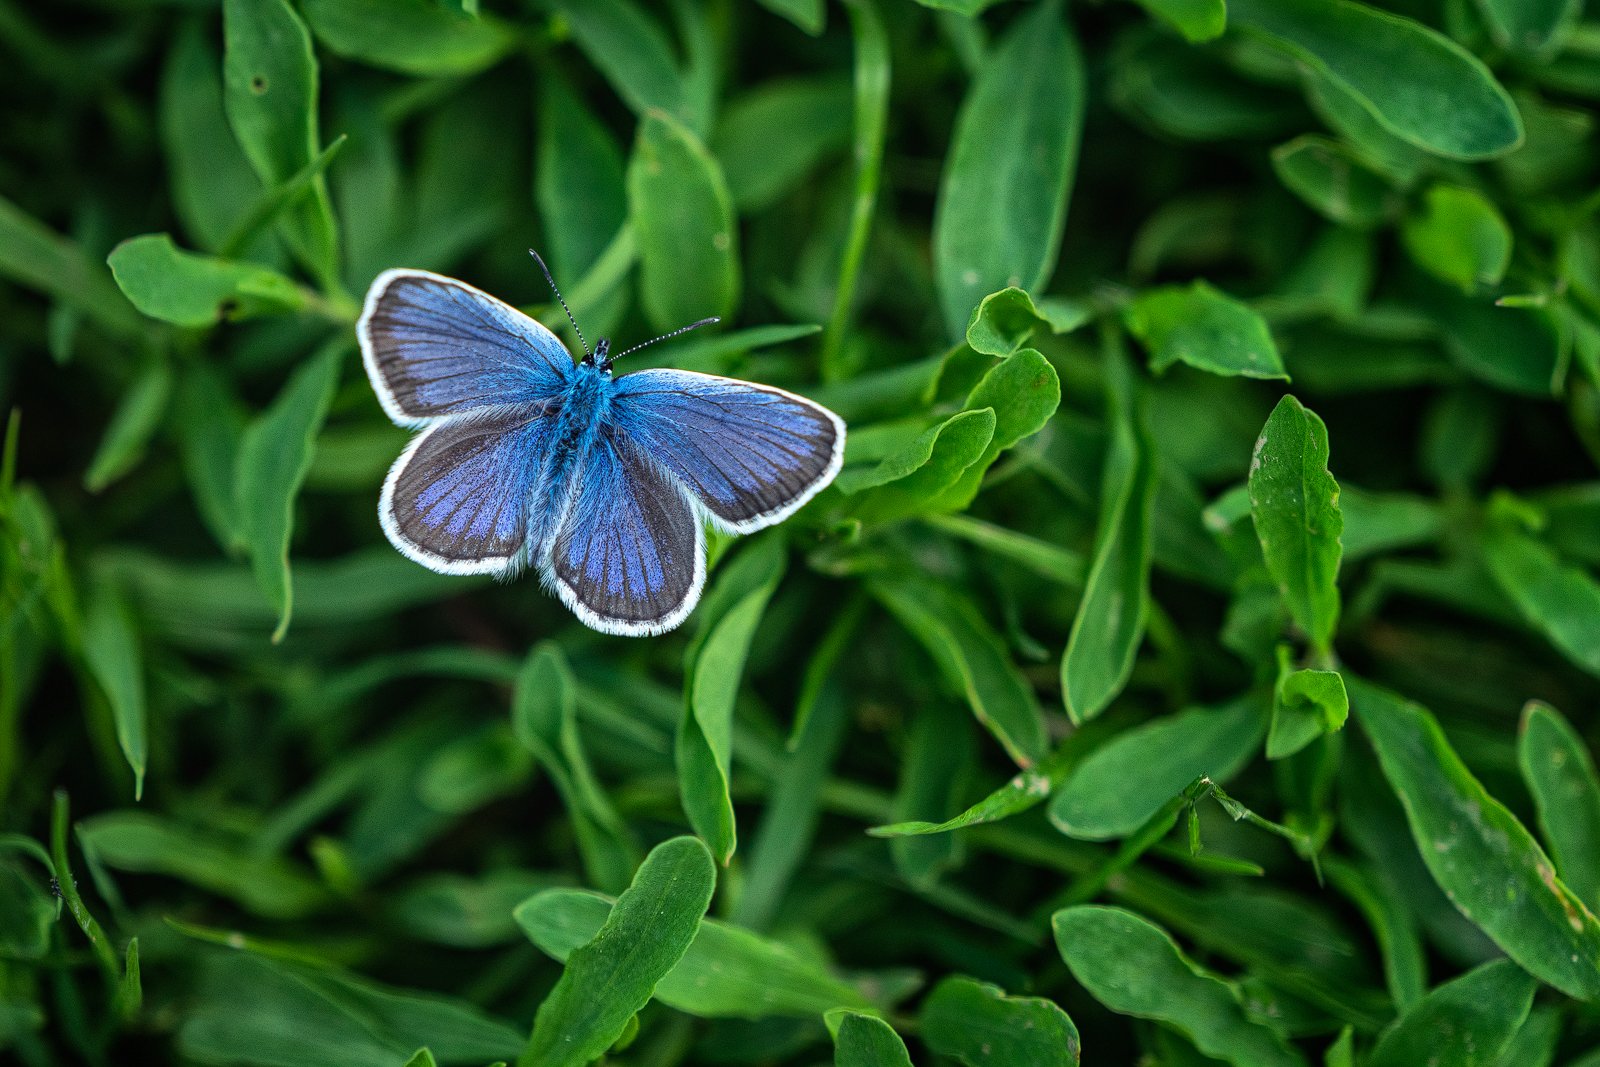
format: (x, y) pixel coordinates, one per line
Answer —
(583, 413)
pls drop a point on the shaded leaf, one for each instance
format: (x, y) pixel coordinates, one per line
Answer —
(274, 456)
(1425, 89)
(683, 217)
(977, 1024)
(1132, 966)
(1459, 237)
(1109, 624)
(111, 652)
(1123, 783)
(1204, 328)
(410, 36)
(1003, 198)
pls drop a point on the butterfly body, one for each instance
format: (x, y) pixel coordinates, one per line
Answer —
(602, 483)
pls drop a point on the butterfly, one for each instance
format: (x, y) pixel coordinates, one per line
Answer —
(604, 484)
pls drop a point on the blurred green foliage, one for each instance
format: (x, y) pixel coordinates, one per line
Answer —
(1196, 660)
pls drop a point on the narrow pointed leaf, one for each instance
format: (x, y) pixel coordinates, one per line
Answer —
(1109, 624)
(273, 459)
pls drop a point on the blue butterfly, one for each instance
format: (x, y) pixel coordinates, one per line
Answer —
(527, 459)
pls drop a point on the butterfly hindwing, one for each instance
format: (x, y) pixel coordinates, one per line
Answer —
(749, 453)
(630, 556)
(458, 500)
(435, 347)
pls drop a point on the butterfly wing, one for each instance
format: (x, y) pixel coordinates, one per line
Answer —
(458, 499)
(434, 346)
(750, 454)
(629, 558)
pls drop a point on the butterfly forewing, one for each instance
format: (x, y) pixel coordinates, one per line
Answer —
(749, 453)
(435, 347)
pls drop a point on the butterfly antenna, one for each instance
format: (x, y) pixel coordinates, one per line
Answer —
(561, 300)
(667, 336)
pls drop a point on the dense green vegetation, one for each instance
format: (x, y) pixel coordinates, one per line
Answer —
(1196, 658)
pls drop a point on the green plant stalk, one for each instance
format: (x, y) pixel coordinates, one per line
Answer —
(69, 893)
(872, 77)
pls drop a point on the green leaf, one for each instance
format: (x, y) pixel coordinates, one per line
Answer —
(243, 1000)
(135, 421)
(1559, 772)
(1556, 599)
(264, 885)
(613, 974)
(870, 130)
(1459, 237)
(725, 972)
(409, 36)
(683, 216)
(111, 652)
(1482, 857)
(973, 660)
(809, 15)
(273, 459)
(1003, 322)
(1133, 967)
(1294, 504)
(762, 169)
(636, 56)
(1119, 786)
(1306, 704)
(794, 808)
(1333, 180)
(1109, 624)
(978, 1024)
(474, 769)
(936, 762)
(1023, 390)
(578, 184)
(188, 289)
(269, 76)
(1533, 28)
(211, 181)
(210, 429)
(544, 718)
(423, 1057)
(1023, 791)
(1204, 328)
(1003, 198)
(462, 912)
(1417, 84)
(1043, 558)
(715, 666)
(865, 1041)
(1466, 1022)
(915, 477)
(33, 255)
(1197, 20)
(1379, 523)
(27, 913)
